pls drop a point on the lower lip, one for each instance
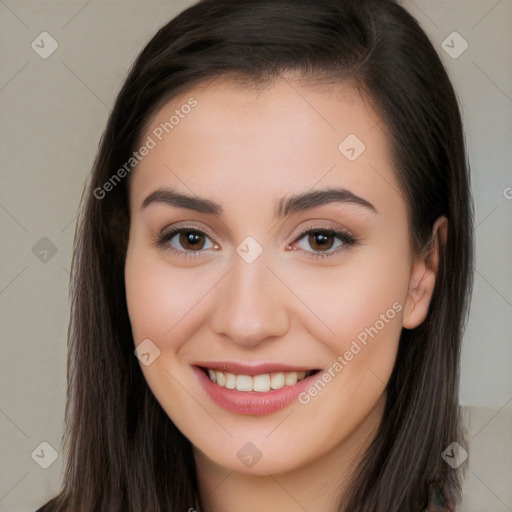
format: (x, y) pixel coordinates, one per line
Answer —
(252, 402)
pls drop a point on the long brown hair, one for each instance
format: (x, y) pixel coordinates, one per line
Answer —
(123, 453)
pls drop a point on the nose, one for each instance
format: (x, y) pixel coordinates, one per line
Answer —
(250, 307)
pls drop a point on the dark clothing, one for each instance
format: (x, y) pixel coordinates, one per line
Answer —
(436, 502)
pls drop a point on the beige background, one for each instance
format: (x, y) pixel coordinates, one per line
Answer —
(53, 111)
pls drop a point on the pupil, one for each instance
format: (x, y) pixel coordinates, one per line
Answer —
(320, 240)
(191, 238)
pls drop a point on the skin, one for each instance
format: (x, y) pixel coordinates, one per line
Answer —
(245, 149)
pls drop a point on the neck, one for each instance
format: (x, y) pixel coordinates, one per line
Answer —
(316, 486)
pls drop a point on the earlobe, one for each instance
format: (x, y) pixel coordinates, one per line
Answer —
(423, 278)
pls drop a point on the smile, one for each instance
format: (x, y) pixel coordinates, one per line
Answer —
(255, 390)
(259, 383)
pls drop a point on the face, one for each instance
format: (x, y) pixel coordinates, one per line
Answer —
(269, 251)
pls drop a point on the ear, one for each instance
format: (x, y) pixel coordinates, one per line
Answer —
(423, 277)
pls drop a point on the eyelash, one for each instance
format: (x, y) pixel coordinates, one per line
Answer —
(344, 236)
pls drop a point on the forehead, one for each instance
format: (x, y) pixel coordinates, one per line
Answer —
(285, 137)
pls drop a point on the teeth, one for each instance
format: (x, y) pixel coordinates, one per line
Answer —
(290, 379)
(261, 383)
(243, 382)
(221, 379)
(277, 380)
(230, 381)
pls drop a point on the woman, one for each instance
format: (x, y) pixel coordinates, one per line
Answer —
(272, 270)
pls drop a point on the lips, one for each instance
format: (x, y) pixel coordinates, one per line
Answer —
(252, 369)
(253, 389)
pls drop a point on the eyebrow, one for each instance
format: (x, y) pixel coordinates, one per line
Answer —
(282, 208)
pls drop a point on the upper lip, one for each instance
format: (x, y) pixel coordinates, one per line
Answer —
(251, 368)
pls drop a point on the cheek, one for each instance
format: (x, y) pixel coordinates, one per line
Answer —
(161, 301)
(159, 298)
(367, 291)
(362, 303)
(150, 299)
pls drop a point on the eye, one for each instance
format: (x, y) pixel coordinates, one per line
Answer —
(185, 241)
(190, 242)
(323, 240)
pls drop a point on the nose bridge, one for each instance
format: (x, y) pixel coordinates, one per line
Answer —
(249, 308)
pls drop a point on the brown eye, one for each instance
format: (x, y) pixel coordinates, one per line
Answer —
(192, 240)
(185, 241)
(321, 241)
(325, 243)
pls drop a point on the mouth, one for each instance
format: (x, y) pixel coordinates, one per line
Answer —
(259, 383)
(254, 390)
